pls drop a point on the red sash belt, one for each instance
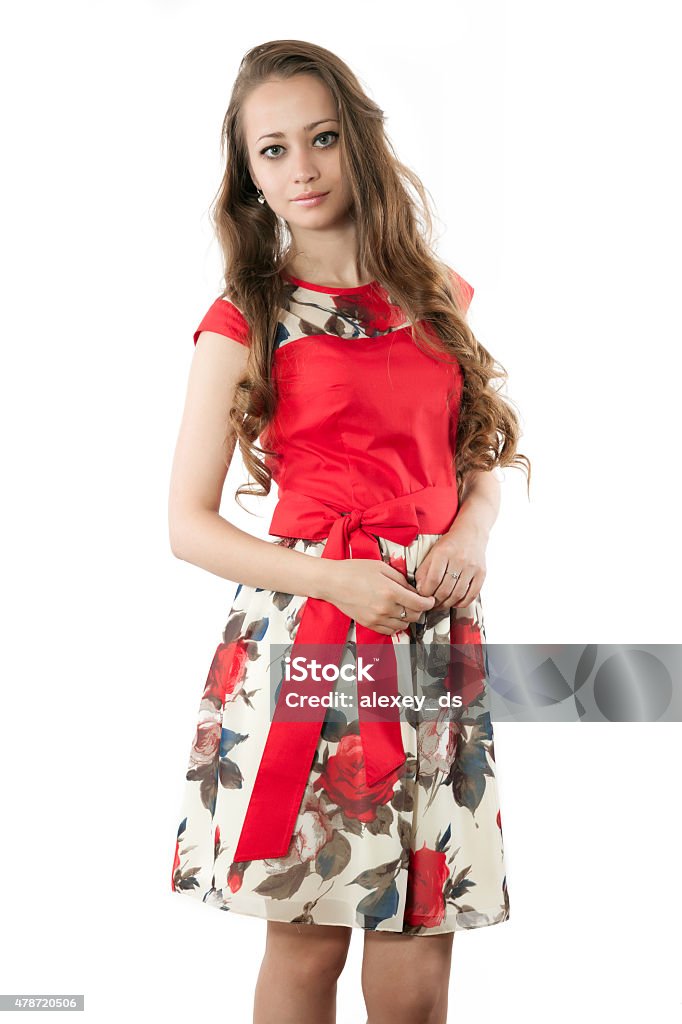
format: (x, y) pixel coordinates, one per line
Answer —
(290, 746)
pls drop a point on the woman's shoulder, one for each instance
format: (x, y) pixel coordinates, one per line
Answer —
(224, 317)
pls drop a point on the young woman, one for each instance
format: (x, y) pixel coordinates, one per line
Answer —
(340, 343)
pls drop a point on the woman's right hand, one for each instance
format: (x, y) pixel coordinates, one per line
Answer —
(374, 593)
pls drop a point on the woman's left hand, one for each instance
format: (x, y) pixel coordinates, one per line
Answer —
(460, 550)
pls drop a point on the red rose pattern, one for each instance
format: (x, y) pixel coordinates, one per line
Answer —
(428, 873)
(226, 674)
(344, 782)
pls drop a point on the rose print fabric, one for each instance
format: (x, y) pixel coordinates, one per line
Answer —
(420, 853)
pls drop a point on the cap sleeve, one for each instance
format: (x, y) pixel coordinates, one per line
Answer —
(464, 292)
(223, 317)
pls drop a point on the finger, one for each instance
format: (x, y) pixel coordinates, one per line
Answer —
(472, 591)
(412, 615)
(471, 595)
(392, 625)
(398, 625)
(434, 575)
(397, 577)
(459, 597)
(459, 592)
(409, 616)
(412, 601)
(402, 617)
(447, 588)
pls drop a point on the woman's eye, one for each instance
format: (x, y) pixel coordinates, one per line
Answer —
(328, 135)
(323, 135)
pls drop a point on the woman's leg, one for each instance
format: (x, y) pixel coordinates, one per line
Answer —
(405, 977)
(297, 979)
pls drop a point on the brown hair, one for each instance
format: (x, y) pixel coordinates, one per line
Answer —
(394, 231)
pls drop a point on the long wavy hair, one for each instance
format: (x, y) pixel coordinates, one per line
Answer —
(394, 231)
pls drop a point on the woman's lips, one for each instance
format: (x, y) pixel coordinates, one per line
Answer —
(313, 201)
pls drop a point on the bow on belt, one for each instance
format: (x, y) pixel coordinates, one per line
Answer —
(290, 745)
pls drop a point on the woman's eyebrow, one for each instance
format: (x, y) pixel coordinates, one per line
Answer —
(306, 128)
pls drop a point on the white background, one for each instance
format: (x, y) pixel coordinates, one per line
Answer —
(547, 135)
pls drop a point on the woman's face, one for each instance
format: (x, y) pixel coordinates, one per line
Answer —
(292, 137)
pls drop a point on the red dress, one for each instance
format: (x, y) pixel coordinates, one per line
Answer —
(364, 435)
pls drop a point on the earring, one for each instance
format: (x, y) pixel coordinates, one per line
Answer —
(261, 197)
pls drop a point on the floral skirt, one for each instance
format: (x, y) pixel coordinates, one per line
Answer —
(420, 855)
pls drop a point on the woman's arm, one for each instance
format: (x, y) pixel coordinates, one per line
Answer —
(480, 502)
(198, 533)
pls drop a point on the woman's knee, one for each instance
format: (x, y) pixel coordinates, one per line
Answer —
(411, 1004)
(415, 999)
(405, 981)
(308, 953)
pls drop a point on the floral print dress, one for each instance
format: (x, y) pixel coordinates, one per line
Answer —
(419, 853)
